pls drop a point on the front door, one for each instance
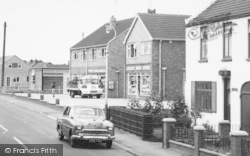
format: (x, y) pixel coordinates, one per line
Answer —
(245, 107)
(227, 101)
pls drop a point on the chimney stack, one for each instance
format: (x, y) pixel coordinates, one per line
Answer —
(112, 21)
(82, 35)
(153, 11)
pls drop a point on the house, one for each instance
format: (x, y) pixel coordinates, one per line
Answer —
(42, 75)
(15, 73)
(218, 61)
(88, 57)
(155, 55)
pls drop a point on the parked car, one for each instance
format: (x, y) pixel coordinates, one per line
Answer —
(84, 124)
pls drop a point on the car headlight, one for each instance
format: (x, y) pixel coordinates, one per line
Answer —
(79, 127)
(110, 128)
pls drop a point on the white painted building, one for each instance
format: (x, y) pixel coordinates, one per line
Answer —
(218, 62)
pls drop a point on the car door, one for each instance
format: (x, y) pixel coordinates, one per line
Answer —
(65, 122)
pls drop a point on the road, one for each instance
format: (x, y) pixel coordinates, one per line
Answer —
(22, 126)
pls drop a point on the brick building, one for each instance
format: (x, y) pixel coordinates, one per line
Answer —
(155, 55)
(88, 57)
(42, 75)
(15, 73)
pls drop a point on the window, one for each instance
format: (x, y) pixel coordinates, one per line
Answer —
(27, 78)
(102, 52)
(16, 79)
(34, 79)
(131, 50)
(84, 55)
(227, 41)
(203, 95)
(92, 54)
(248, 39)
(74, 55)
(146, 48)
(8, 81)
(145, 85)
(66, 111)
(15, 65)
(132, 84)
(203, 55)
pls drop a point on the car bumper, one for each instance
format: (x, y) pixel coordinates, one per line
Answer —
(93, 138)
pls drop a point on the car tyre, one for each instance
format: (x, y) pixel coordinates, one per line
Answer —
(72, 142)
(98, 96)
(108, 144)
(60, 135)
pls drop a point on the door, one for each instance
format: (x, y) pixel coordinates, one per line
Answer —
(227, 100)
(245, 107)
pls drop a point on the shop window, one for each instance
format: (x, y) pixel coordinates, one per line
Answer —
(146, 48)
(8, 82)
(132, 84)
(145, 85)
(227, 41)
(131, 50)
(203, 95)
(203, 53)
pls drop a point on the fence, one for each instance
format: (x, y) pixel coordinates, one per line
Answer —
(206, 141)
(136, 122)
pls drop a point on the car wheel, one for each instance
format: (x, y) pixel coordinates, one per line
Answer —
(90, 96)
(60, 135)
(108, 144)
(72, 94)
(72, 142)
(98, 96)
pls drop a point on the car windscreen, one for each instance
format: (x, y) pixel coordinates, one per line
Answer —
(88, 112)
(90, 81)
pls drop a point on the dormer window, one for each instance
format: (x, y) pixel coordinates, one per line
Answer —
(131, 50)
(203, 53)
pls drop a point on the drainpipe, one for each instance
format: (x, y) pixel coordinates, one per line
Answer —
(160, 64)
(86, 57)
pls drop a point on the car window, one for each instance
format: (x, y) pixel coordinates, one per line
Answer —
(66, 111)
(91, 112)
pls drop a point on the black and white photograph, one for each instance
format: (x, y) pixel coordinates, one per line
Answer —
(124, 77)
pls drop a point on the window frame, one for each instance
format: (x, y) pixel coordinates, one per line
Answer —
(8, 79)
(227, 39)
(129, 50)
(204, 96)
(203, 44)
(248, 26)
(146, 48)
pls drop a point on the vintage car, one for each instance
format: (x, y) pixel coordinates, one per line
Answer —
(85, 124)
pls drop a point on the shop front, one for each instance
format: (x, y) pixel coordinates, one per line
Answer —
(138, 80)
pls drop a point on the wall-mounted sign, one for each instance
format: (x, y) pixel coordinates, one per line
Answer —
(96, 70)
(138, 67)
(111, 85)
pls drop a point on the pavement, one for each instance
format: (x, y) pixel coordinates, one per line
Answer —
(124, 140)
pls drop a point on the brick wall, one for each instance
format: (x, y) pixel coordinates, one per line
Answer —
(173, 57)
(117, 60)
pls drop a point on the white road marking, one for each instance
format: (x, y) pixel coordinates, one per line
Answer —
(4, 128)
(51, 117)
(20, 142)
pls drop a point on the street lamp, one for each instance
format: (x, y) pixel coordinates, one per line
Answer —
(109, 27)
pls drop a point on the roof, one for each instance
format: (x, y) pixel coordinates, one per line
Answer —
(221, 10)
(100, 37)
(6, 59)
(50, 65)
(163, 26)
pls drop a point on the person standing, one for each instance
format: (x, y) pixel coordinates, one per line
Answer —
(53, 87)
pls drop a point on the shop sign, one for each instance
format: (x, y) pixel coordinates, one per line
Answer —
(142, 67)
(96, 70)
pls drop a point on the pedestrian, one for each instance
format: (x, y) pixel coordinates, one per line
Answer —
(53, 86)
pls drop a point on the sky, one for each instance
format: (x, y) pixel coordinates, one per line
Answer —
(46, 29)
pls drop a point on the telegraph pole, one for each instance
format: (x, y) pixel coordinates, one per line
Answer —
(3, 60)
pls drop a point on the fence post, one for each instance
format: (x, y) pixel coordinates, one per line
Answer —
(236, 144)
(198, 139)
(168, 131)
(57, 101)
(29, 95)
(224, 128)
(41, 97)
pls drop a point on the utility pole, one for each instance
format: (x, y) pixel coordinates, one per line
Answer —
(3, 60)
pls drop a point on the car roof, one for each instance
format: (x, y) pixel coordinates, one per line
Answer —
(86, 106)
